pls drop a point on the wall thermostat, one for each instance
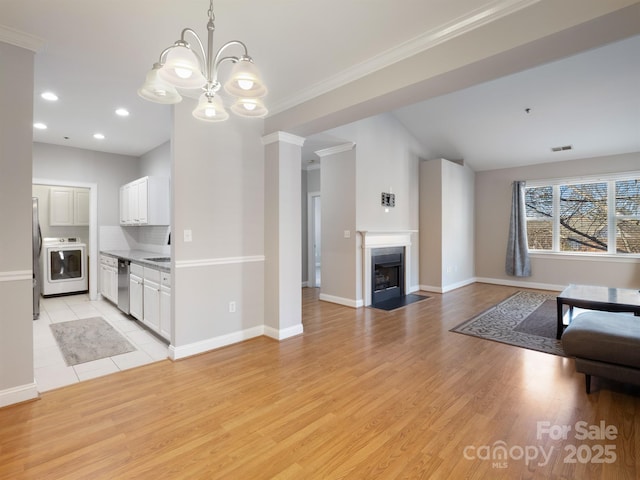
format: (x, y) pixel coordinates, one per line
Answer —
(388, 199)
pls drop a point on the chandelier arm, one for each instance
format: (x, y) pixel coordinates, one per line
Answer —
(202, 56)
(219, 59)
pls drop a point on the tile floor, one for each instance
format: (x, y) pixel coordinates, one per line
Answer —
(50, 369)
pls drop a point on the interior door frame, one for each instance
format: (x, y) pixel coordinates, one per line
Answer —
(311, 258)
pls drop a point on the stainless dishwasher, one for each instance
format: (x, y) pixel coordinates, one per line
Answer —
(123, 285)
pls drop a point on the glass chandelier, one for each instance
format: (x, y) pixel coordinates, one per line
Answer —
(181, 66)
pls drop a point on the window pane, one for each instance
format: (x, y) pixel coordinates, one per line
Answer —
(628, 197)
(628, 205)
(628, 236)
(583, 218)
(539, 206)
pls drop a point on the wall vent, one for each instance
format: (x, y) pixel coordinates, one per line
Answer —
(562, 149)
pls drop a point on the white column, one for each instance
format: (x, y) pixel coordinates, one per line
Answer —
(282, 235)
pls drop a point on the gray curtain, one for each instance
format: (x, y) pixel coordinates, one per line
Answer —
(518, 264)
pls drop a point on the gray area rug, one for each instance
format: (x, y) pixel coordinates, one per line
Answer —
(525, 319)
(89, 339)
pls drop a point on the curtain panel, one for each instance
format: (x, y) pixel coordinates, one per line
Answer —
(517, 262)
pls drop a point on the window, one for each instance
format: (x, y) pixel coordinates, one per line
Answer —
(592, 217)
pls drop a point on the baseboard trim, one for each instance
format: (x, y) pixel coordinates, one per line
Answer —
(283, 333)
(183, 351)
(347, 302)
(203, 346)
(447, 288)
(19, 394)
(521, 284)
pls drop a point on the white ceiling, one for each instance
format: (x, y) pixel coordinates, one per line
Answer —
(96, 54)
(590, 101)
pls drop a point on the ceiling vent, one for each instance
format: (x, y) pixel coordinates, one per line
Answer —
(562, 149)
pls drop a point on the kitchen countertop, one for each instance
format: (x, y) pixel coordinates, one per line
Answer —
(140, 257)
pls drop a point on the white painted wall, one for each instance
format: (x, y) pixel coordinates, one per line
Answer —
(16, 276)
(218, 190)
(493, 203)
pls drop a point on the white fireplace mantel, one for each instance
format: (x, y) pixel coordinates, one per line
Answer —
(383, 239)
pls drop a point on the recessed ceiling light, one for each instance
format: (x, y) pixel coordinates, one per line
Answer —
(40, 126)
(52, 97)
(123, 112)
(98, 136)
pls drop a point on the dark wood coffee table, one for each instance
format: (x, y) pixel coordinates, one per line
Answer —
(597, 298)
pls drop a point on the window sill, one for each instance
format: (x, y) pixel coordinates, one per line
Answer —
(587, 257)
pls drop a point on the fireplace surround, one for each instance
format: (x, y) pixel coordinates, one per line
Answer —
(374, 240)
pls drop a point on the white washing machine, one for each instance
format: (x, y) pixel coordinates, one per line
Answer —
(64, 266)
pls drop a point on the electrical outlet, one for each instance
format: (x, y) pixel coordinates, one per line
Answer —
(232, 307)
(188, 236)
(347, 234)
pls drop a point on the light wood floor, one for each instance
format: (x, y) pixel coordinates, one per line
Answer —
(361, 394)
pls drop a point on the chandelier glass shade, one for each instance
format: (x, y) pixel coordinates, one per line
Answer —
(187, 66)
(157, 90)
(210, 109)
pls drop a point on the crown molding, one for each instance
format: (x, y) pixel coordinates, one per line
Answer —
(445, 32)
(325, 152)
(20, 39)
(283, 137)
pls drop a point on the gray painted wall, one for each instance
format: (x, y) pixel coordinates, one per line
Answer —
(16, 285)
(387, 160)
(339, 263)
(218, 190)
(493, 201)
(156, 162)
(446, 224)
(310, 184)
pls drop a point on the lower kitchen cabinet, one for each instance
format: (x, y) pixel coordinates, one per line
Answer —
(151, 314)
(136, 294)
(150, 298)
(109, 278)
(165, 305)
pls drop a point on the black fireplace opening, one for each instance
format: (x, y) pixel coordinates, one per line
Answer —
(387, 274)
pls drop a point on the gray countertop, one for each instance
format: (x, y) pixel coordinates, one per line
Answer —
(140, 257)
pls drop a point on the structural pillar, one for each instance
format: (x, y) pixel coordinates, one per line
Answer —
(282, 237)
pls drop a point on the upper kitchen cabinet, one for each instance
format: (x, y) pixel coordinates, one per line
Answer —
(145, 202)
(68, 206)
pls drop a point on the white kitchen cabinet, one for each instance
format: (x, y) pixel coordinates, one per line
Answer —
(136, 291)
(68, 206)
(165, 305)
(109, 278)
(125, 215)
(151, 316)
(81, 206)
(145, 202)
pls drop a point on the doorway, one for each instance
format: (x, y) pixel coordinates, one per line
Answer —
(92, 246)
(314, 216)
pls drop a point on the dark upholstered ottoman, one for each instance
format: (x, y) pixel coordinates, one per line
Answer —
(606, 345)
